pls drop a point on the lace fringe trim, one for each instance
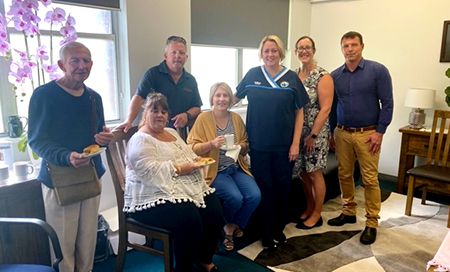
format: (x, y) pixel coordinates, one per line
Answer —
(140, 207)
(439, 267)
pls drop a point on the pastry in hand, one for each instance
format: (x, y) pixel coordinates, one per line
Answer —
(205, 161)
(91, 149)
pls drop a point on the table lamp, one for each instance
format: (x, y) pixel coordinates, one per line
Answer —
(419, 99)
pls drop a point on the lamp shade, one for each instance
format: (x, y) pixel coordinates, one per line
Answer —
(420, 98)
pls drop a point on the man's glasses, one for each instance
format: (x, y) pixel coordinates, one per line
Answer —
(306, 48)
(176, 39)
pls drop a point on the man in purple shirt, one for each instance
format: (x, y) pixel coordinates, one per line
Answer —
(364, 105)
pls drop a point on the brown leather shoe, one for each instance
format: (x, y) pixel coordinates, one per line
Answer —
(342, 219)
(368, 236)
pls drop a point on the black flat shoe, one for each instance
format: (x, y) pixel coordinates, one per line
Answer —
(301, 225)
(268, 243)
(342, 219)
(279, 238)
(368, 236)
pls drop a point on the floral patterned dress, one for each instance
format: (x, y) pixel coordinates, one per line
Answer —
(318, 158)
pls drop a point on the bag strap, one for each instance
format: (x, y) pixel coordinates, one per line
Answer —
(94, 113)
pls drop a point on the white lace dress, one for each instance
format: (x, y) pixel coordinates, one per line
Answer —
(150, 175)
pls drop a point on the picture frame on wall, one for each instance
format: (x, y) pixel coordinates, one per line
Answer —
(445, 47)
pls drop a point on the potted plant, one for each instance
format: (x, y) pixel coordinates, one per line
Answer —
(33, 65)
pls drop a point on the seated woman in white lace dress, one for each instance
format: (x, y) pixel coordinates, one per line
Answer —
(164, 188)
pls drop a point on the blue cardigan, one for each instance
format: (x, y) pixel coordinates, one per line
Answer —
(59, 123)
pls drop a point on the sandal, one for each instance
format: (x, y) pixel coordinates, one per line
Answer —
(228, 243)
(238, 232)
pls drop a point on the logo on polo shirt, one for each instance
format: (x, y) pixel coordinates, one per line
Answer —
(284, 84)
(187, 89)
(257, 82)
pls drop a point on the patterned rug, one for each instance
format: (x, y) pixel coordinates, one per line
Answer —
(403, 243)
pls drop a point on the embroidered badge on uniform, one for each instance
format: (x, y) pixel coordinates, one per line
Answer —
(257, 82)
(284, 84)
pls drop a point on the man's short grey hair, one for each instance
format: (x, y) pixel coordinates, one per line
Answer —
(176, 39)
(69, 45)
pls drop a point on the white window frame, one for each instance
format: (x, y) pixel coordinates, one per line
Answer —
(239, 73)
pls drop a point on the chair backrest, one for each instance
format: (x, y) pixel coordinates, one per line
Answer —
(438, 149)
(115, 153)
(10, 222)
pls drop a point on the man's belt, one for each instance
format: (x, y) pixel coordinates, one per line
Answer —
(358, 129)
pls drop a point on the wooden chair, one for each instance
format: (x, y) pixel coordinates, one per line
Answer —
(7, 223)
(436, 172)
(115, 154)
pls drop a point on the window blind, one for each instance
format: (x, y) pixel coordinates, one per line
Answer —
(103, 4)
(238, 23)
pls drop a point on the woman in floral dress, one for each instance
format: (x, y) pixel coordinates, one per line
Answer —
(314, 142)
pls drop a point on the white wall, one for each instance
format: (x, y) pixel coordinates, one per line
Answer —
(299, 25)
(149, 24)
(404, 35)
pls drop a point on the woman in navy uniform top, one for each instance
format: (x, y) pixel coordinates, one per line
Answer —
(274, 123)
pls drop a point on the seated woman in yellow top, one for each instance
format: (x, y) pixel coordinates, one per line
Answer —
(234, 184)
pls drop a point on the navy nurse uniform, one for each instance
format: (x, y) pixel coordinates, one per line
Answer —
(272, 104)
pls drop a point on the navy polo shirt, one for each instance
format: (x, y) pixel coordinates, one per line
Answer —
(181, 96)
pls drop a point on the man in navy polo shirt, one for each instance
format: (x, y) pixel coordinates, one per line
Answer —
(171, 79)
(364, 106)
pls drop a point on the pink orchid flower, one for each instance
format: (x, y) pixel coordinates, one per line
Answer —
(16, 9)
(50, 68)
(31, 18)
(41, 53)
(3, 35)
(19, 24)
(55, 16)
(31, 30)
(67, 30)
(46, 3)
(22, 15)
(18, 73)
(28, 66)
(31, 4)
(70, 21)
(4, 47)
(69, 38)
(14, 78)
(22, 54)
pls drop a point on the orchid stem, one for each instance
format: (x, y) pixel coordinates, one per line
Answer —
(40, 70)
(27, 49)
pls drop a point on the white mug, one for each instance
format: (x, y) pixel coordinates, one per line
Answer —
(229, 140)
(6, 154)
(23, 168)
(4, 172)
